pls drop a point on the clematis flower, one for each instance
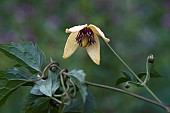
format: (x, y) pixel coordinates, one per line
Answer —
(84, 36)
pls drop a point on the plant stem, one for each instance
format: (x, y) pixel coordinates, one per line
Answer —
(145, 86)
(128, 93)
(125, 92)
(147, 72)
(56, 100)
(62, 83)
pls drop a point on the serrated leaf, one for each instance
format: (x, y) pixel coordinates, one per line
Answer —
(122, 80)
(10, 80)
(26, 54)
(78, 77)
(46, 87)
(129, 75)
(37, 104)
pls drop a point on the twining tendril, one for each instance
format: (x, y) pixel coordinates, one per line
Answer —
(67, 89)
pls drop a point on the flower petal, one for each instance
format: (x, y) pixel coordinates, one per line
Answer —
(71, 45)
(94, 50)
(97, 31)
(75, 28)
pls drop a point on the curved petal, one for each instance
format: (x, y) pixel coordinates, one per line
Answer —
(71, 45)
(94, 50)
(97, 31)
(75, 28)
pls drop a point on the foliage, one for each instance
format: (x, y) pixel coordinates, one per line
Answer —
(10, 80)
(26, 54)
(136, 29)
(54, 91)
(130, 78)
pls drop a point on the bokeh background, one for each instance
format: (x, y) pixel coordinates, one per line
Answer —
(136, 28)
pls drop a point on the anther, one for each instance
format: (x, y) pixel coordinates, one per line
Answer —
(85, 37)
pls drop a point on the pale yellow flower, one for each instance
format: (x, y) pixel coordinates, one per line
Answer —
(84, 36)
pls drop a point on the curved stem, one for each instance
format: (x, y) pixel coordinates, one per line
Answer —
(74, 87)
(147, 72)
(45, 69)
(62, 83)
(56, 100)
(145, 86)
(59, 95)
(128, 93)
(125, 92)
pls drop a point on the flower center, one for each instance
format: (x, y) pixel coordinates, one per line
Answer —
(85, 37)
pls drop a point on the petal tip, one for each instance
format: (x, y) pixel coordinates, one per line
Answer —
(67, 30)
(107, 40)
(98, 63)
(64, 57)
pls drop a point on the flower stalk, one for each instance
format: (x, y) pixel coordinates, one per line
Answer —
(160, 104)
(142, 83)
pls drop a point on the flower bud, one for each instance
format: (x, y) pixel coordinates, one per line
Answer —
(54, 67)
(151, 59)
(127, 85)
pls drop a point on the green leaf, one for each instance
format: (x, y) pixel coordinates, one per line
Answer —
(129, 75)
(37, 104)
(153, 74)
(36, 89)
(78, 77)
(26, 54)
(77, 105)
(122, 80)
(10, 80)
(74, 106)
(89, 105)
(50, 85)
(47, 87)
(142, 74)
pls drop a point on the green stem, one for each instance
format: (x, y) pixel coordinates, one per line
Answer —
(74, 87)
(56, 100)
(128, 93)
(124, 63)
(45, 69)
(61, 95)
(62, 83)
(147, 72)
(145, 86)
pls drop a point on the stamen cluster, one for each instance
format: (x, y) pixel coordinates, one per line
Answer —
(85, 34)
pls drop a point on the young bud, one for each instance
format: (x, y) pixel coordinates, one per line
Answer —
(151, 59)
(54, 67)
(127, 85)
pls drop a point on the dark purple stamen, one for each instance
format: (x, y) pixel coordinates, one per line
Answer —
(85, 33)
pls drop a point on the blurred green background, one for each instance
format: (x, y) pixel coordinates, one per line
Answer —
(136, 28)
